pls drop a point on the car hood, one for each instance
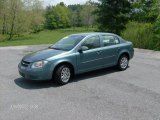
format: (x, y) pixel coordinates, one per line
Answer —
(42, 55)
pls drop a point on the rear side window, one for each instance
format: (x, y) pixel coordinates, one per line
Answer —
(109, 40)
(92, 42)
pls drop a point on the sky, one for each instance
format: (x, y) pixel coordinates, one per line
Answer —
(67, 2)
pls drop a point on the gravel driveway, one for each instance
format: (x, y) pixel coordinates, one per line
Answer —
(105, 94)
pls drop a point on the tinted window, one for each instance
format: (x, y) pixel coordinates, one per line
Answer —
(92, 42)
(109, 40)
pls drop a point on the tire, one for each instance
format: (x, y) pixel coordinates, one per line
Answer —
(123, 62)
(62, 75)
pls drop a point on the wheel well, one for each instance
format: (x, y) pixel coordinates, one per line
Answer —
(125, 53)
(64, 63)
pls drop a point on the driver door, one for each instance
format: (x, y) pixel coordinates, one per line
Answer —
(89, 59)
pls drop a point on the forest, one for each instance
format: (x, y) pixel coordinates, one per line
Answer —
(24, 22)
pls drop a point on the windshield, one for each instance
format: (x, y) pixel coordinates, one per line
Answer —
(68, 42)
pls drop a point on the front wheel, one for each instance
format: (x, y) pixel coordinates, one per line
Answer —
(123, 62)
(62, 75)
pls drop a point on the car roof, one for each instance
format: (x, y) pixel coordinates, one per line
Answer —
(94, 33)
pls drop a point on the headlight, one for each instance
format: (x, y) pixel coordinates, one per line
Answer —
(39, 64)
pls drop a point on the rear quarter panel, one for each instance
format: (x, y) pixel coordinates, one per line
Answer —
(126, 47)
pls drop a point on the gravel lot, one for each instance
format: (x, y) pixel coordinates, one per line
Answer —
(105, 94)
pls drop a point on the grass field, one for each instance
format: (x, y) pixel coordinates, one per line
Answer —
(44, 37)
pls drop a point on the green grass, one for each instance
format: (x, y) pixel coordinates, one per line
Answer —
(44, 37)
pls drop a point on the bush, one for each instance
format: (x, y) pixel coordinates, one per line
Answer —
(37, 28)
(3, 38)
(142, 35)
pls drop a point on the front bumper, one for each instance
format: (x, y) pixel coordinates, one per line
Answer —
(35, 74)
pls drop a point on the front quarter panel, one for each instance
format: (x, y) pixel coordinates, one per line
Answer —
(69, 57)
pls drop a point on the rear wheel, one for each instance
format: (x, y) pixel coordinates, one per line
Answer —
(123, 62)
(62, 74)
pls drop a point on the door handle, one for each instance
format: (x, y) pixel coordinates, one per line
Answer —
(99, 52)
(118, 49)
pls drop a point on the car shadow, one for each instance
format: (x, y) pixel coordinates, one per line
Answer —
(94, 73)
(28, 84)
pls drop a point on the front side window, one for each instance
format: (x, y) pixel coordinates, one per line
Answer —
(92, 42)
(109, 40)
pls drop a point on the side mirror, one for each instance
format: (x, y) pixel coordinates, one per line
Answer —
(83, 48)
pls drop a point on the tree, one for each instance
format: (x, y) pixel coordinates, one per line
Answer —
(4, 12)
(156, 9)
(76, 19)
(87, 15)
(57, 16)
(113, 15)
(15, 6)
(20, 16)
(37, 16)
(145, 10)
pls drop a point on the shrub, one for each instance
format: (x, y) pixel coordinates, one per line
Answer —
(142, 35)
(3, 37)
(37, 28)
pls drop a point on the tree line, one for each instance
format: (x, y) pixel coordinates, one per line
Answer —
(21, 16)
(62, 16)
(17, 16)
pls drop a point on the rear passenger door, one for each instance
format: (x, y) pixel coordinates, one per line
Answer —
(110, 48)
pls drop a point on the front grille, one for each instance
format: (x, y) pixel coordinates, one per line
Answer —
(24, 63)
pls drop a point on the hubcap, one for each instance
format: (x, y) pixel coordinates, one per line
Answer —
(65, 74)
(124, 62)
